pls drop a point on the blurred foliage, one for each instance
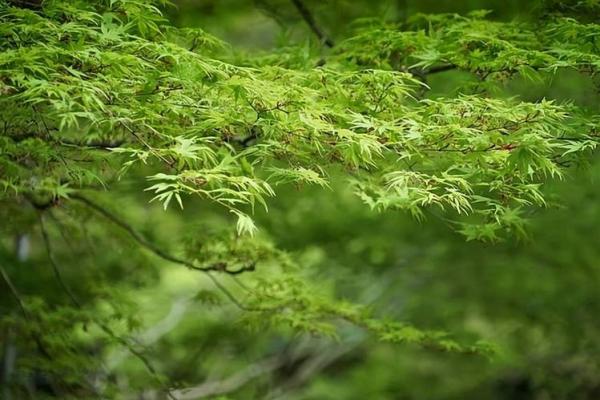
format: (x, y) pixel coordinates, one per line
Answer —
(309, 294)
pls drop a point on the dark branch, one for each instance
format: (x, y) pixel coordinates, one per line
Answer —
(101, 145)
(310, 21)
(219, 267)
(14, 292)
(440, 68)
(32, 4)
(422, 73)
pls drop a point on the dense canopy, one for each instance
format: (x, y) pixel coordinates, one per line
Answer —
(348, 211)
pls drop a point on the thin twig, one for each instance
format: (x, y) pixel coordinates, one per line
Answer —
(228, 294)
(170, 163)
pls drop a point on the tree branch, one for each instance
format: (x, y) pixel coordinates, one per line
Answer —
(440, 68)
(138, 237)
(219, 267)
(154, 333)
(14, 292)
(100, 145)
(422, 73)
(312, 24)
(105, 328)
